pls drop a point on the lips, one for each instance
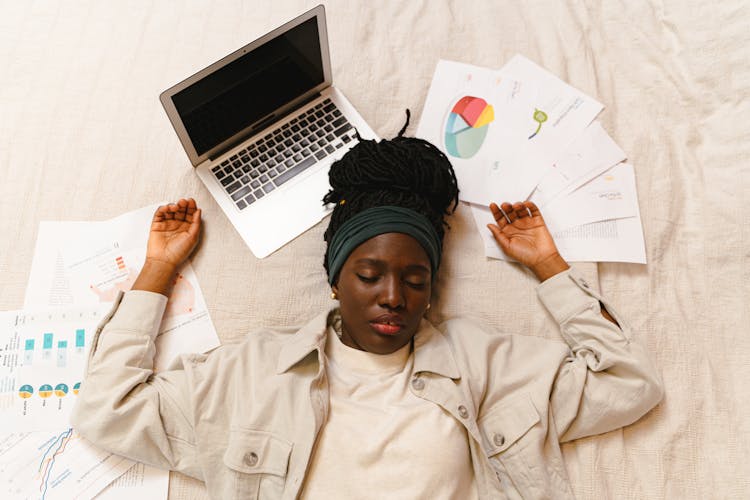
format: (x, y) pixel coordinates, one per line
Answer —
(387, 324)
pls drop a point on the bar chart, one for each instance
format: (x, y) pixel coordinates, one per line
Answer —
(43, 364)
(54, 347)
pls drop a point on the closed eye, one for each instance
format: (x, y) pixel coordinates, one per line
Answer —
(367, 279)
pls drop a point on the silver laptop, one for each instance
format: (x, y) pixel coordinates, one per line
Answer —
(263, 125)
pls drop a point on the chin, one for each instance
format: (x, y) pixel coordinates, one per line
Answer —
(385, 344)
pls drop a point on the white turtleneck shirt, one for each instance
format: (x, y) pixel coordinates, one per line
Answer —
(382, 441)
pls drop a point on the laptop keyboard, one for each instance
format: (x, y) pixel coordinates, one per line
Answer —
(255, 171)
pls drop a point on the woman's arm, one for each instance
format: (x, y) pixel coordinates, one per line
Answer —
(175, 230)
(123, 406)
(608, 380)
(522, 234)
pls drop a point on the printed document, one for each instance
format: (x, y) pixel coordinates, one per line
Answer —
(85, 265)
(610, 195)
(613, 240)
(590, 155)
(88, 263)
(479, 120)
(44, 356)
(55, 466)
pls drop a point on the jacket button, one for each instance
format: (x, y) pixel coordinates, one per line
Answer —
(250, 458)
(499, 439)
(463, 412)
(417, 384)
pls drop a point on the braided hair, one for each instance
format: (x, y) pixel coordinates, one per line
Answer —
(405, 172)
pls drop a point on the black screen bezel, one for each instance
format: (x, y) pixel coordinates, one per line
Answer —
(174, 117)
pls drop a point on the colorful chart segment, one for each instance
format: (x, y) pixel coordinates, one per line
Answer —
(467, 126)
(61, 390)
(45, 391)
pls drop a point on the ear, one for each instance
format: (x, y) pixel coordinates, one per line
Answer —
(335, 288)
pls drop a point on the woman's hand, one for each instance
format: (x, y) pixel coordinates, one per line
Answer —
(175, 230)
(522, 234)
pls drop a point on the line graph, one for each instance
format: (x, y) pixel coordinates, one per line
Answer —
(59, 465)
(48, 461)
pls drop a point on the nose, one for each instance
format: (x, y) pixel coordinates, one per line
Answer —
(391, 295)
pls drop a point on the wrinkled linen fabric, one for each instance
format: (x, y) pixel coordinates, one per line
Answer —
(83, 137)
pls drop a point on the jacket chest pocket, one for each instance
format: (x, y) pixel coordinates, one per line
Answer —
(258, 463)
(514, 449)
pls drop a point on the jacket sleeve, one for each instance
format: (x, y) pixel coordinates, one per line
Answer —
(125, 408)
(608, 380)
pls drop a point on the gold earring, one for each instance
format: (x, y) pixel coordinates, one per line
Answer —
(428, 306)
(334, 296)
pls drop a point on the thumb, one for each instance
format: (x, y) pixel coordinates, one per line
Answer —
(195, 225)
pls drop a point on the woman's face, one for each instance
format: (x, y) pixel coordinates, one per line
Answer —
(384, 289)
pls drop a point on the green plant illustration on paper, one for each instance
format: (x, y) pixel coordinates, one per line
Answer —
(539, 117)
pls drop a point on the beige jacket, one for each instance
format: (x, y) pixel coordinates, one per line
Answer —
(244, 418)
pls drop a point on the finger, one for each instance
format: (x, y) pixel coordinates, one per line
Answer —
(499, 215)
(185, 206)
(180, 213)
(191, 208)
(505, 215)
(532, 208)
(508, 209)
(520, 210)
(159, 214)
(169, 213)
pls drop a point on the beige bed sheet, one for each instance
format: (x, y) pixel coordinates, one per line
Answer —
(83, 137)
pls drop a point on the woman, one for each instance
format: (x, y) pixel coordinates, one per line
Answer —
(370, 400)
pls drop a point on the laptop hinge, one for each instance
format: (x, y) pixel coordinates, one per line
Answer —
(263, 124)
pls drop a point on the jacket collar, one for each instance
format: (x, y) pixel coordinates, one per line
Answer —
(432, 352)
(309, 338)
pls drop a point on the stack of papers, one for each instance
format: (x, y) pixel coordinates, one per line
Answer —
(89, 263)
(521, 133)
(77, 271)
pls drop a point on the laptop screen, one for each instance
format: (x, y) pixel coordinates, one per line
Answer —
(235, 96)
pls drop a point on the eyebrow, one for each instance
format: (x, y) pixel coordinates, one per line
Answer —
(376, 262)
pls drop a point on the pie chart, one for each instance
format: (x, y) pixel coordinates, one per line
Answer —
(467, 126)
(45, 391)
(25, 391)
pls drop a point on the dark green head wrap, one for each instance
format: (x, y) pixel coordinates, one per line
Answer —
(379, 220)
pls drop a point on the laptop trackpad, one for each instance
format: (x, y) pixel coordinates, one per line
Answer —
(280, 218)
